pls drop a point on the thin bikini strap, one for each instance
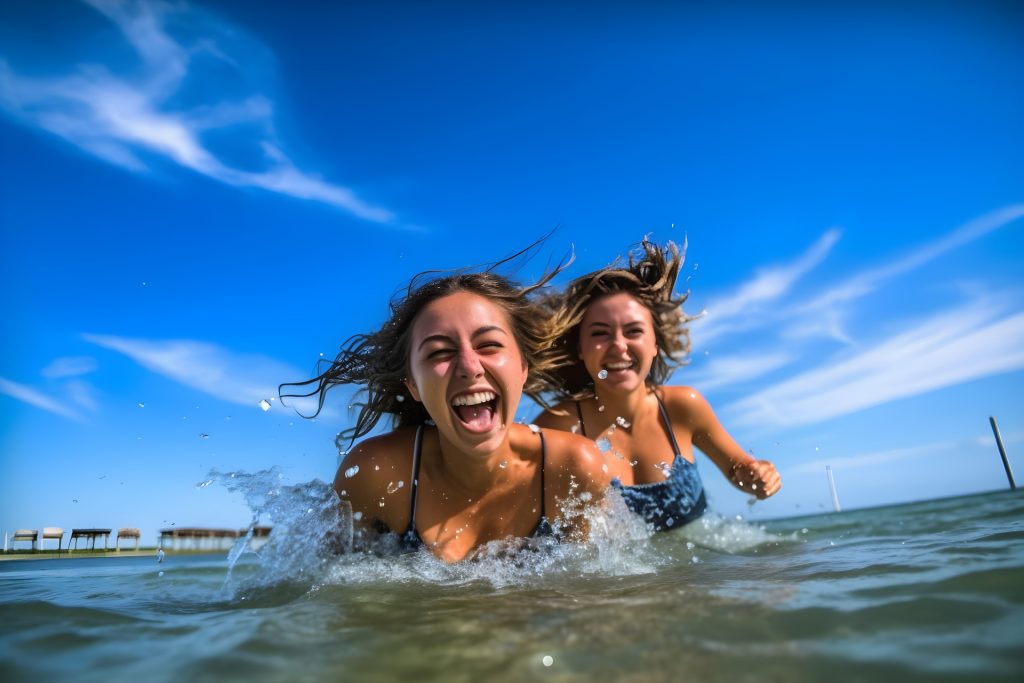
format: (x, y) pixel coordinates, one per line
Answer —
(579, 411)
(668, 425)
(542, 458)
(414, 484)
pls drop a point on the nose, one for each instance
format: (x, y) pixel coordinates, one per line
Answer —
(618, 342)
(468, 365)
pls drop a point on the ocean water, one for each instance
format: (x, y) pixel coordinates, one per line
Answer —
(927, 591)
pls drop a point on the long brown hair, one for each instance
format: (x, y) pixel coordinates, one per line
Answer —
(378, 361)
(649, 276)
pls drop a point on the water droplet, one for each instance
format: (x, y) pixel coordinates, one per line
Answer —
(352, 471)
(264, 404)
(394, 486)
(204, 484)
(429, 423)
(690, 545)
(664, 467)
(623, 422)
(503, 464)
(586, 496)
(381, 503)
(400, 398)
(343, 493)
(602, 374)
(357, 515)
(753, 486)
(376, 468)
(204, 436)
(547, 660)
(142, 405)
(160, 574)
(575, 429)
(600, 409)
(695, 560)
(534, 428)
(604, 468)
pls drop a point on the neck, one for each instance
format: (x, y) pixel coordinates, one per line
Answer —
(472, 473)
(622, 404)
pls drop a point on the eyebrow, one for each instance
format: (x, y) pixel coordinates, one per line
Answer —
(445, 338)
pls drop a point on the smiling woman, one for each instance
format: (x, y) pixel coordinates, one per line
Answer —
(457, 472)
(621, 333)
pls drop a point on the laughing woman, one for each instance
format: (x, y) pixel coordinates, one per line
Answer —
(457, 472)
(621, 331)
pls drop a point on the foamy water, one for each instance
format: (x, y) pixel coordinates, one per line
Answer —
(929, 591)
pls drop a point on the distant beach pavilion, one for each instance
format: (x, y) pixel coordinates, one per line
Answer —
(202, 539)
(127, 532)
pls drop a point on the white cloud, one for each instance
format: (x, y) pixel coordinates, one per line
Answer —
(36, 398)
(722, 371)
(733, 311)
(948, 349)
(70, 366)
(126, 117)
(84, 394)
(850, 462)
(211, 369)
(868, 281)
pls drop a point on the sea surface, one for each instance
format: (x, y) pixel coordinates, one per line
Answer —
(929, 591)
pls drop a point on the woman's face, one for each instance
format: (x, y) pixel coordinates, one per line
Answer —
(617, 340)
(466, 368)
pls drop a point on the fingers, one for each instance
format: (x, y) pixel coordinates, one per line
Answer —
(767, 478)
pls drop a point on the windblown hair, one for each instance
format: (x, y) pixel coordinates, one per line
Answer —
(650, 277)
(379, 361)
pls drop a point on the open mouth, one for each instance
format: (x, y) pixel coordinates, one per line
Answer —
(476, 411)
(619, 366)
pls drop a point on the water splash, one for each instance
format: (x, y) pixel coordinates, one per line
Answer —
(314, 544)
(310, 526)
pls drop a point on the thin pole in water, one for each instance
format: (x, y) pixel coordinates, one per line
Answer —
(832, 488)
(1002, 453)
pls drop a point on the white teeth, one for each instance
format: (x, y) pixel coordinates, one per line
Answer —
(474, 399)
(618, 366)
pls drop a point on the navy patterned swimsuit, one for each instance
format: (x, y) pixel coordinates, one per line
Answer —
(410, 540)
(664, 504)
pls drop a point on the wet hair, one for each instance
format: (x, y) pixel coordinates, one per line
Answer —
(379, 361)
(649, 276)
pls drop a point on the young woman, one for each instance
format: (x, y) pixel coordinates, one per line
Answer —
(621, 333)
(457, 472)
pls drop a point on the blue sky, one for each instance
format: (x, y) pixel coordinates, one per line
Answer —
(197, 200)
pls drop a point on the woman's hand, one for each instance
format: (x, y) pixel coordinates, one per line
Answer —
(759, 477)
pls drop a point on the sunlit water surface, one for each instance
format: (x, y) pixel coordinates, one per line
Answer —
(929, 591)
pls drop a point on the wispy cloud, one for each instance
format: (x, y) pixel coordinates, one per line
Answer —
(209, 368)
(126, 115)
(70, 366)
(724, 371)
(871, 459)
(954, 347)
(734, 311)
(36, 398)
(868, 281)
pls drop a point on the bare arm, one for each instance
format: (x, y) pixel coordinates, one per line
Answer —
(748, 474)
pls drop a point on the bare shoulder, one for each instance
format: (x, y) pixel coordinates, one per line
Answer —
(570, 455)
(685, 403)
(367, 469)
(562, 417)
